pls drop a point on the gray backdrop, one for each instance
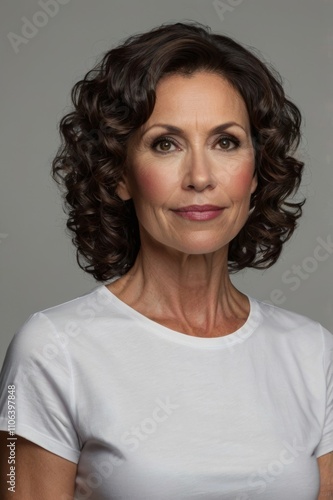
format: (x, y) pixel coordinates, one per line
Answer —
(47, 45)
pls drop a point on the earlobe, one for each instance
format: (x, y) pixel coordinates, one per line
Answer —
(254, 183)
(122, 191)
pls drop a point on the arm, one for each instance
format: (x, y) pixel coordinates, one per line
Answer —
(325, 463)
(40, 475)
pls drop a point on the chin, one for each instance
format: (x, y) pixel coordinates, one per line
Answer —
(201, 247)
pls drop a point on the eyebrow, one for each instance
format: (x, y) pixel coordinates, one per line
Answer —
(177, 130)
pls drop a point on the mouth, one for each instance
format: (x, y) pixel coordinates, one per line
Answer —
(199, 212)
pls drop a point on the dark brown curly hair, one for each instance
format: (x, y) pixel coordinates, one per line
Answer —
(118, 95)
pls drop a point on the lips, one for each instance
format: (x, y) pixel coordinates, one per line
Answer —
(199, 212)
(198, 208)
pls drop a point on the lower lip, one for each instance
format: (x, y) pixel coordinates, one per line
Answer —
(199, 216)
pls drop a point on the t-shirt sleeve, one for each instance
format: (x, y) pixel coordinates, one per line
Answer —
(326, 443)
(38, 366)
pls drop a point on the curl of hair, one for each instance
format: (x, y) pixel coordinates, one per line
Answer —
(117, 97)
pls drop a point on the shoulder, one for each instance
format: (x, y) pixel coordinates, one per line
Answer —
(50, 327)
(289, 326)
(79, 308)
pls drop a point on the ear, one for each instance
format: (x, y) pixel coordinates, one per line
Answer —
(123, 191)
(254, 183)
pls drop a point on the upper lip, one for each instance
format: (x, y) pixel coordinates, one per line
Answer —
(198, 208)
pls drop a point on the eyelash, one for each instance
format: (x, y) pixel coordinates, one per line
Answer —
(158, 141)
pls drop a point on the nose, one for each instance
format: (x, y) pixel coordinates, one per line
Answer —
(198, 171)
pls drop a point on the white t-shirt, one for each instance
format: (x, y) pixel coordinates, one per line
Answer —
(150, 413)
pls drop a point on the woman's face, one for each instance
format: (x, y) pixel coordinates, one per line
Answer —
(191, 166)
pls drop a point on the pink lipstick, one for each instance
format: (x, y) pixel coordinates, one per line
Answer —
(199, 212)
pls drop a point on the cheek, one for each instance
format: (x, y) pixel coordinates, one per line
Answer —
(152, 185)
(240, 181)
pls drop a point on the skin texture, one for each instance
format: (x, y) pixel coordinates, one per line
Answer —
(325, 463)
(183, 262)
(182, 265)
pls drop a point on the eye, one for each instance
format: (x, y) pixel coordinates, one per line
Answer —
(228, 143)
(163, 145)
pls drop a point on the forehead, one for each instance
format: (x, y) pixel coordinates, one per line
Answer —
(202, 96)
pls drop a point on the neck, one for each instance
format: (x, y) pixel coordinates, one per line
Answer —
(189, 293)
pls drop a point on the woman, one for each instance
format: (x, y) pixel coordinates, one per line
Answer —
(168, 382)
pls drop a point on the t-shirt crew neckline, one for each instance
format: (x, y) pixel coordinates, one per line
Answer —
(225, 341)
